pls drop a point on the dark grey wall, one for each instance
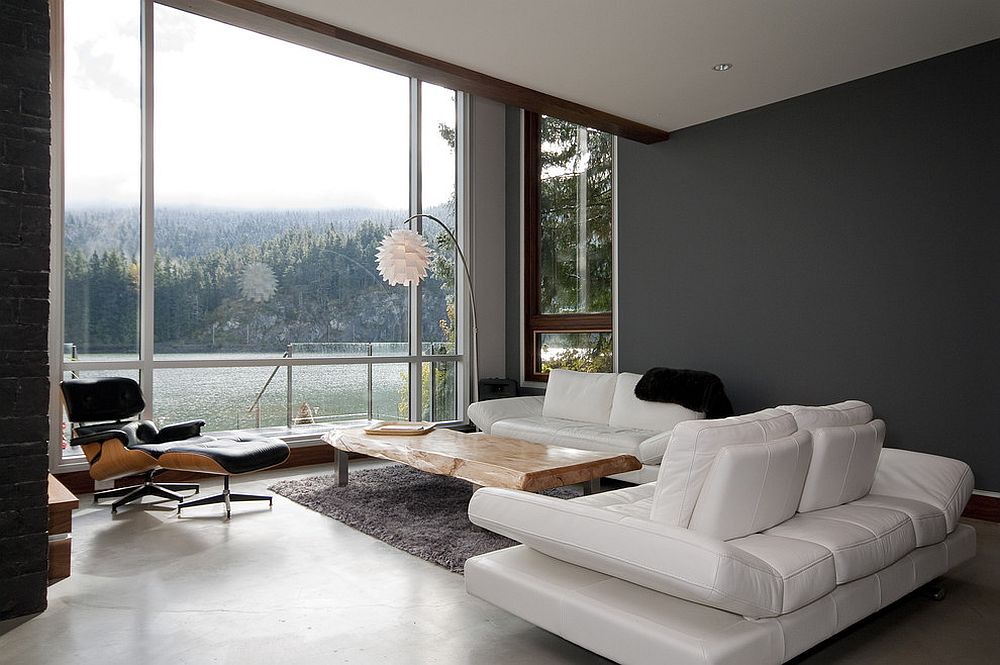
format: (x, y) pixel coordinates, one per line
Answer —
(24, 304)
(842, 244)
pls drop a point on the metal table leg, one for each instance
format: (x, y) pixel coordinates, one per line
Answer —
(340, 464)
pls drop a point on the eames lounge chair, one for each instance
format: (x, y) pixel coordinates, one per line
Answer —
(117, 447)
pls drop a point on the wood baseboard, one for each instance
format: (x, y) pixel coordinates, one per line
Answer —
(80, 482)
(982, 507)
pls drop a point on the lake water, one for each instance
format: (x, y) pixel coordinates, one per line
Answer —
(223, 396)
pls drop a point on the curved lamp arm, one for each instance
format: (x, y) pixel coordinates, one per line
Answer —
(472, 298)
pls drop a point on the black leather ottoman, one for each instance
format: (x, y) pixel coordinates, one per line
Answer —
(228, 456)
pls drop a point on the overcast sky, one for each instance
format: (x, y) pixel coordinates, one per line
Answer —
(241, 120)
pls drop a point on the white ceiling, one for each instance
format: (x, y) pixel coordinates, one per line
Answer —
(651, 60)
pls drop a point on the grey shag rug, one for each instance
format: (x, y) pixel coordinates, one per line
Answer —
(420, 513)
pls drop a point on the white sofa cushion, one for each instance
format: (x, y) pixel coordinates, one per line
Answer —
(843, 464)
(863, 539)
(692, 449)
(752, 487)
(484, 414)
(573, 434)
(668, 559)
(807, 569)
(627, 410)
(842, 414)
(942, 482)
(580, 396)
(632, 501)
(929, 525)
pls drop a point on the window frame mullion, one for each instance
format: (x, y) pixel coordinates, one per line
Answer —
(147, 249)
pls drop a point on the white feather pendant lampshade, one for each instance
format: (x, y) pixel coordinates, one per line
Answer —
(403, 257)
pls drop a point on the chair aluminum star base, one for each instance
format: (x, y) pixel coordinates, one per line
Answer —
(148, 488)
(225, 497)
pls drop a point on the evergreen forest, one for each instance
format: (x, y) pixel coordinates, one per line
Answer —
(242, 280)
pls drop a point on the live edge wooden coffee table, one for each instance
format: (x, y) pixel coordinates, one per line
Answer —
(489, 461)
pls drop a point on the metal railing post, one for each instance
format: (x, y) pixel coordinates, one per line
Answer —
(255, 407)
(288, 391)
(370, 370)
(433, 391)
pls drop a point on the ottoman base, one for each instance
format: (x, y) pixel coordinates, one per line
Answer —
(225, 497)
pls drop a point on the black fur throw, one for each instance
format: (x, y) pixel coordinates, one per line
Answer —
(692, 389)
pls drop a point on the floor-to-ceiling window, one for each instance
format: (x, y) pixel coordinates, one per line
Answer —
(569, 258)
(223, 197)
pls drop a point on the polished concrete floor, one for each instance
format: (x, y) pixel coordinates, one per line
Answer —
(289, 586)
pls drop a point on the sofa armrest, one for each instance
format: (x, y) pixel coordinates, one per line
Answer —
(942, 482)
(99, 437)
(652, 449)
(665, 558)
(487, 412)
(129, 433)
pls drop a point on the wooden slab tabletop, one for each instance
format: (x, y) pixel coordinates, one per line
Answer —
(490, 461)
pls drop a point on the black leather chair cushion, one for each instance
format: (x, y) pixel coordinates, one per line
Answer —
(106, 398)
(234, 454)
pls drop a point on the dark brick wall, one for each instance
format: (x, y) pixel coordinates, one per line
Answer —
(24, 304)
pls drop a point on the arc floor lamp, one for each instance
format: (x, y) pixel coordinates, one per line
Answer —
(403, 258)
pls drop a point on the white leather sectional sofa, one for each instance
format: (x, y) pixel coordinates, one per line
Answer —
(588, 411)
(764, 535)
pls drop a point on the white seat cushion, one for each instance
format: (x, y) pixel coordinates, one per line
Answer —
(632, 501)
(929, 524)
(692, 449)
(842, 414)
(863, 539)
(627, 410)
(843, 464)
(752, 487)
(572, 434)
(807, 569)
(579, 396)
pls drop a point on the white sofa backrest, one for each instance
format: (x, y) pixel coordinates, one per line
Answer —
(627, 410)
(843, 465)
(583, 396)
(752, 487)
(692, 449)
(842, 414)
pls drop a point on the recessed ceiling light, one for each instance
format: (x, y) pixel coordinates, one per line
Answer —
(723, 66)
